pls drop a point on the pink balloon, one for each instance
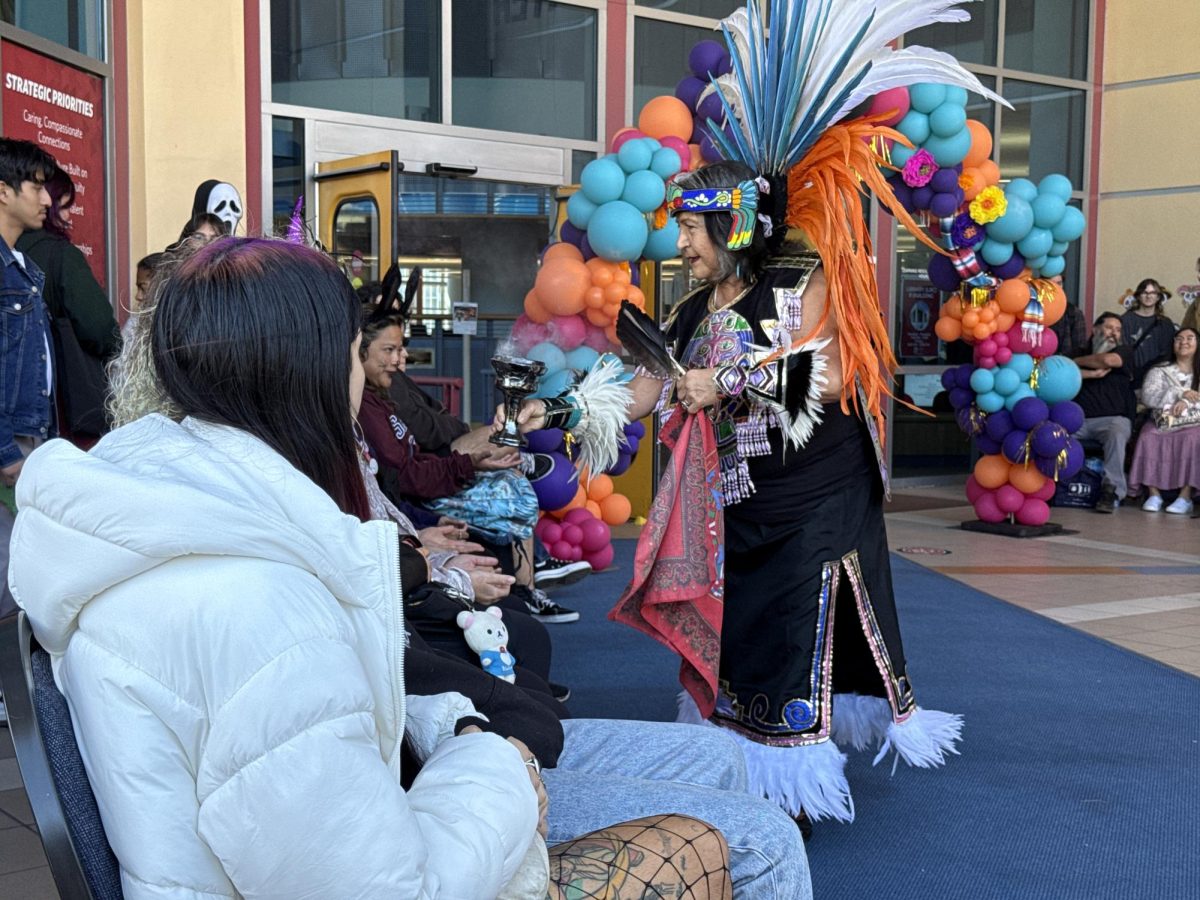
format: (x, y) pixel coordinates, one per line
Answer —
(600, 559)
(679, 145)
(577, 516)
(551, 532)
(1009, 499)
(1003, 356)
(1048, 346)
(595, 535)
(1000, 339)
(974, 489)
(1017, 342)
(596, 338)
(567, 332)
(985, 508)
(561, 549)
(1033, 512)
(1046, 491)
(574, 554)
(625, 134)
(886, 101)
(526, 333)
(572, 534)
(984, 362)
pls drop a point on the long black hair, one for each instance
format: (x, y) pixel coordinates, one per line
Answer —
(256, 334)
(1175, 358)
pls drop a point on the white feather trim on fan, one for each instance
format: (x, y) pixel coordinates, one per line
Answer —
(605, 403)
(810, 778)
(923, 739)
(860, 721)
(798, 426)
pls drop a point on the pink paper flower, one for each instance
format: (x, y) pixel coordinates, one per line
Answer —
(919, 169)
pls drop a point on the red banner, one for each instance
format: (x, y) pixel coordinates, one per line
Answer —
(61, 109)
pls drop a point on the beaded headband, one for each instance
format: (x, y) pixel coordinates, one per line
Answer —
(741, 201)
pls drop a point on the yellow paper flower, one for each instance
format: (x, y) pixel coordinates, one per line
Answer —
(990, 205)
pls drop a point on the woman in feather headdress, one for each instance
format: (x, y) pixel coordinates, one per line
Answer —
(764, 562)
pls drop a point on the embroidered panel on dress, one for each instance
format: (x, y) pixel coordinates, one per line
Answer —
(899, 690)
(804, 720)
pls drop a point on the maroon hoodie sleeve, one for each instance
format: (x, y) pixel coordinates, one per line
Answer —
(422, 476)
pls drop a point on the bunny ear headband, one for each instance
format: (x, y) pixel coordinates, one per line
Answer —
(389, 302)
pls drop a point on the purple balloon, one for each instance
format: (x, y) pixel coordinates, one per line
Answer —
(624, 461)
(585, 248)
(1068, 414)
(921, 197)
(547, 440)
(944, 181)
(943, 205)
(688, 90)
(1010, 269)
(948, 380)
(709, 150)
(555, 484)
(1014, 446)
(903, 195)
(571, 234)
(705, 58)
(960, 398)
(943, 274)
(710, 108)
(1048, 466)
(999, 424)
(1029, 413)
(986, 445)
(1074, 460)
(1049, 439)
(962, 375)
(636, 429)
(962, 416)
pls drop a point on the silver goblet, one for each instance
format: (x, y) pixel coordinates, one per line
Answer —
(517, 377)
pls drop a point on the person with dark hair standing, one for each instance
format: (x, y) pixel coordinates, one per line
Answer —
(1109, 405)
(1147, 329)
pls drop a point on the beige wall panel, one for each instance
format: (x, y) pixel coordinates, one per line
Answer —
(1147, 237)
(187, 111)
(1150, 39)
(1148, 139)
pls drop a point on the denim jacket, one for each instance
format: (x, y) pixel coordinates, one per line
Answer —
(25, 407)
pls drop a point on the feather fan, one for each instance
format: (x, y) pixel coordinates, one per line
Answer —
(644, 342)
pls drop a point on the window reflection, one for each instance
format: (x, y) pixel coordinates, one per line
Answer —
(77, 24)
(660, 52)
(1043, 133)
(972, 42)
(1049, 37)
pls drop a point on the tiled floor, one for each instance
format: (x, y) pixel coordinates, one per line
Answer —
(1131, 578)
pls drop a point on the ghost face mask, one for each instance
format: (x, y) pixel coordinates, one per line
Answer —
(225, 203)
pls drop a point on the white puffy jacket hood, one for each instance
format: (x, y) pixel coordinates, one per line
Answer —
(231, 645)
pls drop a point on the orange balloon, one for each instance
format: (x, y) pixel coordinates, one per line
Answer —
(982, 331)
(1013, 295)
(615, 293)
(987, 313)
(593, 507)
(577, 501)
(611, 310)
(981, 144)
(561, 250)
(666, 116)
(610, 332)
(972, 182)
(970, 319)
(948, 329)
(593, 298)
(1026, 479)
(534, 309)
(602, 271)
(561, 284)
(953, 307)
(597, 316)
(990, 171)
(1005, 321)
(992, 471)
(615, 509)
(1054, 308)
(621, 274)
(599, 487)
(635, 296)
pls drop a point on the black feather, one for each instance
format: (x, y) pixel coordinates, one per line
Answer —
(644, 342)
(799, 380)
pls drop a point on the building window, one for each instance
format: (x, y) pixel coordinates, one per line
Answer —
(379, 57)
(660, 56)
(1049, 37)
(77, 24)
(525, 67)
(1043, 133)
(287, 166)
(972, 42)
(709, 9)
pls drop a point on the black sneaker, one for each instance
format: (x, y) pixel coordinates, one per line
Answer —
(1108, 501)
(551, 572)
(546, 610)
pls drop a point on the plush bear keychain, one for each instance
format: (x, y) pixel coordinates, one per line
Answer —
(487, 636)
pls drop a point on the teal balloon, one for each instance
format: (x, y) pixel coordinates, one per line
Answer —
(579, 210)
(1056, 185)
(948, 120)
(1022, 364)
(1059, 379)
(1058, 248)
(661, 243)
(1005, 382)
(1014, 224)
(1055, 264)
(554, 382)
(549, 354)
(1070, 228)
(949, 151)
(644, 190)
(650, 142)
(926, 98)
(990, 401)
(582, 359)
(956, 95)
(618, 231)
(634, 156)
(982, 381)
(602, 180)
(914, 126)
(1022, 391)
(1035, 264)
(665, 162)
(901, 155)
(1023, 188)
(996, 253)
(1036, 243)
(1048, 210)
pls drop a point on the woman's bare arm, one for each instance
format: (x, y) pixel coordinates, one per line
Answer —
(813, 304)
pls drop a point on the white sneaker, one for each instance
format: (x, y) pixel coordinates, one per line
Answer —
(1180, 506)
(1153, 504)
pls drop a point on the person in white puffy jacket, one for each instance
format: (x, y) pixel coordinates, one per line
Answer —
(228, 629)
